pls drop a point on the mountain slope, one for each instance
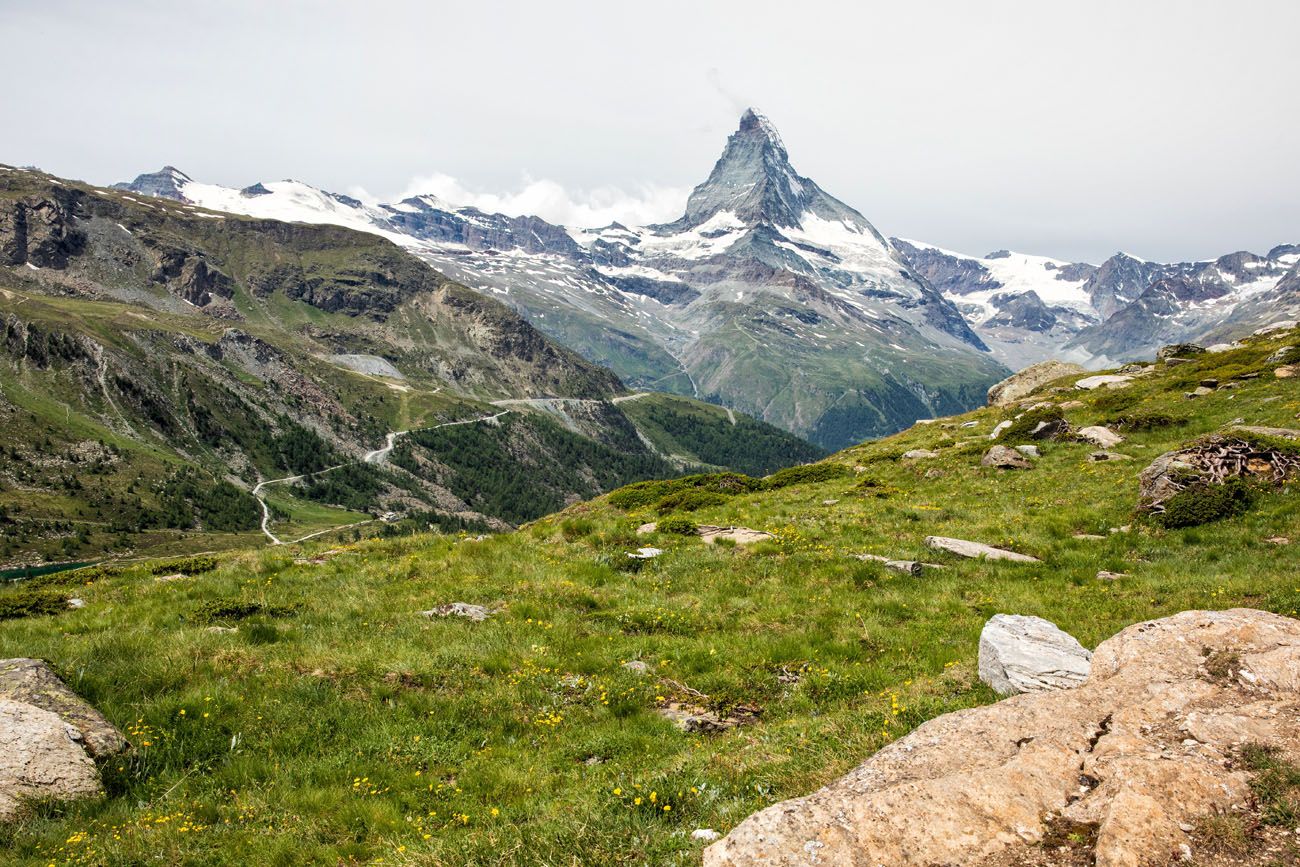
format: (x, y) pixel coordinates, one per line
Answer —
(1031, 308)
(158, 361)
(767, 295)
(329, 720)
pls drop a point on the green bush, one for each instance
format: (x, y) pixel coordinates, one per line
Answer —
(678, 526)
(30, 602)
(235, 609)
(184, 565)
(1202, 503)
(642, 494)
(689, 501)
(805, 474)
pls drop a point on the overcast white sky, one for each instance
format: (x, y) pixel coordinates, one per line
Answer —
(1168, 129)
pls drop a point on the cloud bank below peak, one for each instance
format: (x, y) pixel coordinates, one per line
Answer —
(552, 201)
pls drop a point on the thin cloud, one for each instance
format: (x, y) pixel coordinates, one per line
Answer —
(554, 202)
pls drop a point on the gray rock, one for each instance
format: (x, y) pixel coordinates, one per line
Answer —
(1003, 458)
(1029, 654)
(636, 666)
(1103, 456)
(919, 454)
(1199, 391)
(41, 757)
(1029, 380)
(1029, 451)
(1102, 436)
(33, 682)
(976, 550)
(998, 429)
(645, 553)
(1103, 575)
(1110, 380)
(1179, 350)
(476, 613)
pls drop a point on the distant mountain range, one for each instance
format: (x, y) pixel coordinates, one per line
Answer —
(773, 297)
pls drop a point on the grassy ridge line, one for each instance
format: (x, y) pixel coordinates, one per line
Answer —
(338, 725)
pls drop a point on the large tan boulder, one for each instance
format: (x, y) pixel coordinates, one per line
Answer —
(33, 681)
(1141, 751)
(1025, 382)
(41, 757)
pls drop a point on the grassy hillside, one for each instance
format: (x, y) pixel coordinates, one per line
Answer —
(329, 722)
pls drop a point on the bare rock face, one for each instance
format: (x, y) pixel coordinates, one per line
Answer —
(33, 682)
(1027, 381)
(1029, 654)
(41, 757)
(1099, 435)
(1004, 458)
(1139, 752)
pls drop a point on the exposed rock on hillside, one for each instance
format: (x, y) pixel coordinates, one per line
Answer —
(1029, 654)
(1138, 753)
(1029, 380)
(32, 681)
(48, 736)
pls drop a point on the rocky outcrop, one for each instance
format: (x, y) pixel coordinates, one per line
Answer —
(1137, 754)
(49, 739)
(1026, 382)
(1004, 458)
(39, 231)
(41, 758)
(33, 682)
(1029, 654)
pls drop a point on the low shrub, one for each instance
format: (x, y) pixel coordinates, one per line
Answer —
(642, 494)
(1113, 400)
(688, 501)
(1202, 502)
(805, 474)
(237, 609)
(678, 526)
(31, 602)
(196, 565)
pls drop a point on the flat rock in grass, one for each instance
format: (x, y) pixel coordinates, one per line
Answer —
(1199, 391)
(998, 429)
(1138, 752)
(919, 454)
(694, 719)
(907, 567)
(1286, 371)
(1278, 540)
(167, 579)
(1092, 537)
(1109, 380)
(645, 553)
(976, 550)
(739, 535)
(1003, 458)
(1029, 451)
(33, 681)
(708, 835)
(1103, 575)
(476, 613)
(1073, 404)
(1104, 456)
(1029, 654)
(1099, 435)
(647, 529)
(636, 666)
(41, 758)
